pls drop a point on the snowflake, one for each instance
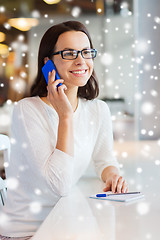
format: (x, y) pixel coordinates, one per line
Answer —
(157, 162)
(12, 183)
(76, 11)
(154, 93)
(139, 170)
(143, 131)
(35, 207)
(147, 108)
(142, 208)
(99, 206)
(157, 20)
(124, 154)
(106, 59)
(38, 191)
(141, 46)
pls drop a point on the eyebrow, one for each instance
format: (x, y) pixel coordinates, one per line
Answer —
(74, 49)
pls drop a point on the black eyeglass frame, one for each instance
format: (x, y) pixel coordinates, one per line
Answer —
(77, 52)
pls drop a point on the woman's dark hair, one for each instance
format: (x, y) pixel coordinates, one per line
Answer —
(46, 49)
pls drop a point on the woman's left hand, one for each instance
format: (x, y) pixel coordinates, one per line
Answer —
(115, 183)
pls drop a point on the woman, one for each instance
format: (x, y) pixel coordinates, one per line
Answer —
(57, 132)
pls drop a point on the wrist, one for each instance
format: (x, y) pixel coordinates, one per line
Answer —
(66, 117)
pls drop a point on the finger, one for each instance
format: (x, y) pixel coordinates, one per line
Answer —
(53, 88)
(114, 183)
(119, 184)
(107, 188)
(55, 82)
(51, 77)
(124, 187)
(62, 88)
(52, 92)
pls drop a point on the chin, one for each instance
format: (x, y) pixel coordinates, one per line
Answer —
(82, 84)
(77, 82)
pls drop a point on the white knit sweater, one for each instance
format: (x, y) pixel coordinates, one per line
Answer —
(38, 173)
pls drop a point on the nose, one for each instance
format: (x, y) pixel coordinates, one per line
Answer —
(79, 60)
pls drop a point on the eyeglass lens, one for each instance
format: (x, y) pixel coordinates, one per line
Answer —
(73, 54)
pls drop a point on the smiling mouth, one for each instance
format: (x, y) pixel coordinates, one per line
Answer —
(79, 72)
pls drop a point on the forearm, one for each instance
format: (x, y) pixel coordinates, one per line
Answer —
(108, 171)
(65, 138)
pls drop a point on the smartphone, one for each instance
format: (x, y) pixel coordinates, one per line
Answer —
(48, 67)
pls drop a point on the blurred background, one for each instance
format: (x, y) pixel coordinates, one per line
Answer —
(126, 35)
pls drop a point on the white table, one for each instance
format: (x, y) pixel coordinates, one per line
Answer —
(77, 217)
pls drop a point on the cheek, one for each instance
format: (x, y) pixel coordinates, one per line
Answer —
(91, 65)
(61, 68)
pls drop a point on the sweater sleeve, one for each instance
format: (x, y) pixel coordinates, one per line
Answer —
(31, 131)
(103, 155)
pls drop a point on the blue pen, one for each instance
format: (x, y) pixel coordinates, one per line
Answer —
(106, 195)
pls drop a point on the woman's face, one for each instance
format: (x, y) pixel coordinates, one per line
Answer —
(76, 72)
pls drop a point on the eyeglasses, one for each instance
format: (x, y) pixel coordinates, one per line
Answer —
(73, 54)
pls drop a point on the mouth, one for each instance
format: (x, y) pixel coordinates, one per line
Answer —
(79, 72)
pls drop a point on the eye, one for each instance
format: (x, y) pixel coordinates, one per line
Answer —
(69, 53)
(87, 51)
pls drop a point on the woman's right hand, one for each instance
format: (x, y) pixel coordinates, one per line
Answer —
(60, 102)
(58, 99)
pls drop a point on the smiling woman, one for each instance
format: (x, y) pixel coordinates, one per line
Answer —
(49, 46)
(57, 132)
(76, 69)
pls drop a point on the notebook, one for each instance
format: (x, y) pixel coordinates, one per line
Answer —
(118, 197)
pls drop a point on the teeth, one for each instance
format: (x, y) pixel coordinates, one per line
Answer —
(79, 72)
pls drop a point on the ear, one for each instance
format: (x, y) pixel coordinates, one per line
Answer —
(46, 59)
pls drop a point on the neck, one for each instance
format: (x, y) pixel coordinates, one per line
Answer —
(72, 97)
